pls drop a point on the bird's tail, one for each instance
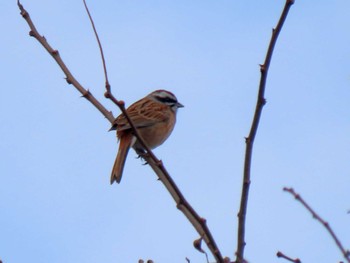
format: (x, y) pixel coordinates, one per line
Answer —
(124, 146)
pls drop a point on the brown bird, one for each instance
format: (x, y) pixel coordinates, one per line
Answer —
(154, 116)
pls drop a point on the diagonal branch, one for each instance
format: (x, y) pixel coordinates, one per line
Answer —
(183, 205)
(56, 56)
(346, 253)
(253, 130)
(158, 167)
(198, 222)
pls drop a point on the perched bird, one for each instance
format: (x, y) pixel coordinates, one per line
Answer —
(154, 116)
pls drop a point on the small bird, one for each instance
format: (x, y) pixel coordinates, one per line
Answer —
(154, 116)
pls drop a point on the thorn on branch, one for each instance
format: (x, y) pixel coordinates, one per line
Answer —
(86, 94)
(159, 163)
(262, 101)
(24, 13)
(54, 52)
(262, 68)
(247, 182)
(68, 80)
(107, 95)
(121, 103)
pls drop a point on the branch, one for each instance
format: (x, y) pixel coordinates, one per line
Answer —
(281, 255)
(108, 93)
(108, 86)
(198, 222)
(56, 56)
(182, 204)
(253, 130)
(157, 165)
(346, 253)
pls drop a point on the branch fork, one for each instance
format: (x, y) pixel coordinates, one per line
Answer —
(151, 159)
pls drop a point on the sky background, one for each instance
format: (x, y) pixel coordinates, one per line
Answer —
(56, 202)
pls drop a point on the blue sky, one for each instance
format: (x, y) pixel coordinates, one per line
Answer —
(56, 154)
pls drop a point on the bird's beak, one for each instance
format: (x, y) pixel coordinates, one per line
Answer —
(179, 105)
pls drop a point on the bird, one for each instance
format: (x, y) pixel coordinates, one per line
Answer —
(154, 116)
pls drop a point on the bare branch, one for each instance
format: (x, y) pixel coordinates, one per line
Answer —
(56, 56)
(253, 130)
(281, 255)
(346, 253)
(198, 222)
(158, 167)
(108, 86)
(108, 93)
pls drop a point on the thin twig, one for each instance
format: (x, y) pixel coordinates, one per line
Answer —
(250, 139)
(56, 56)
(108, 93)
(108, 86)
(281, 255)
(346, 253)
(198, 222)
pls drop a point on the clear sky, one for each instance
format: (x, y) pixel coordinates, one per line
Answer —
(56, 202)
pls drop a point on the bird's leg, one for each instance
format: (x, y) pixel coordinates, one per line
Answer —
(141, 154)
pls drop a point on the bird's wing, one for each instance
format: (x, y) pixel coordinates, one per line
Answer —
(142, 115)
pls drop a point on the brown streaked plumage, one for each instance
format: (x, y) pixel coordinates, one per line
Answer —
(154, 116)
